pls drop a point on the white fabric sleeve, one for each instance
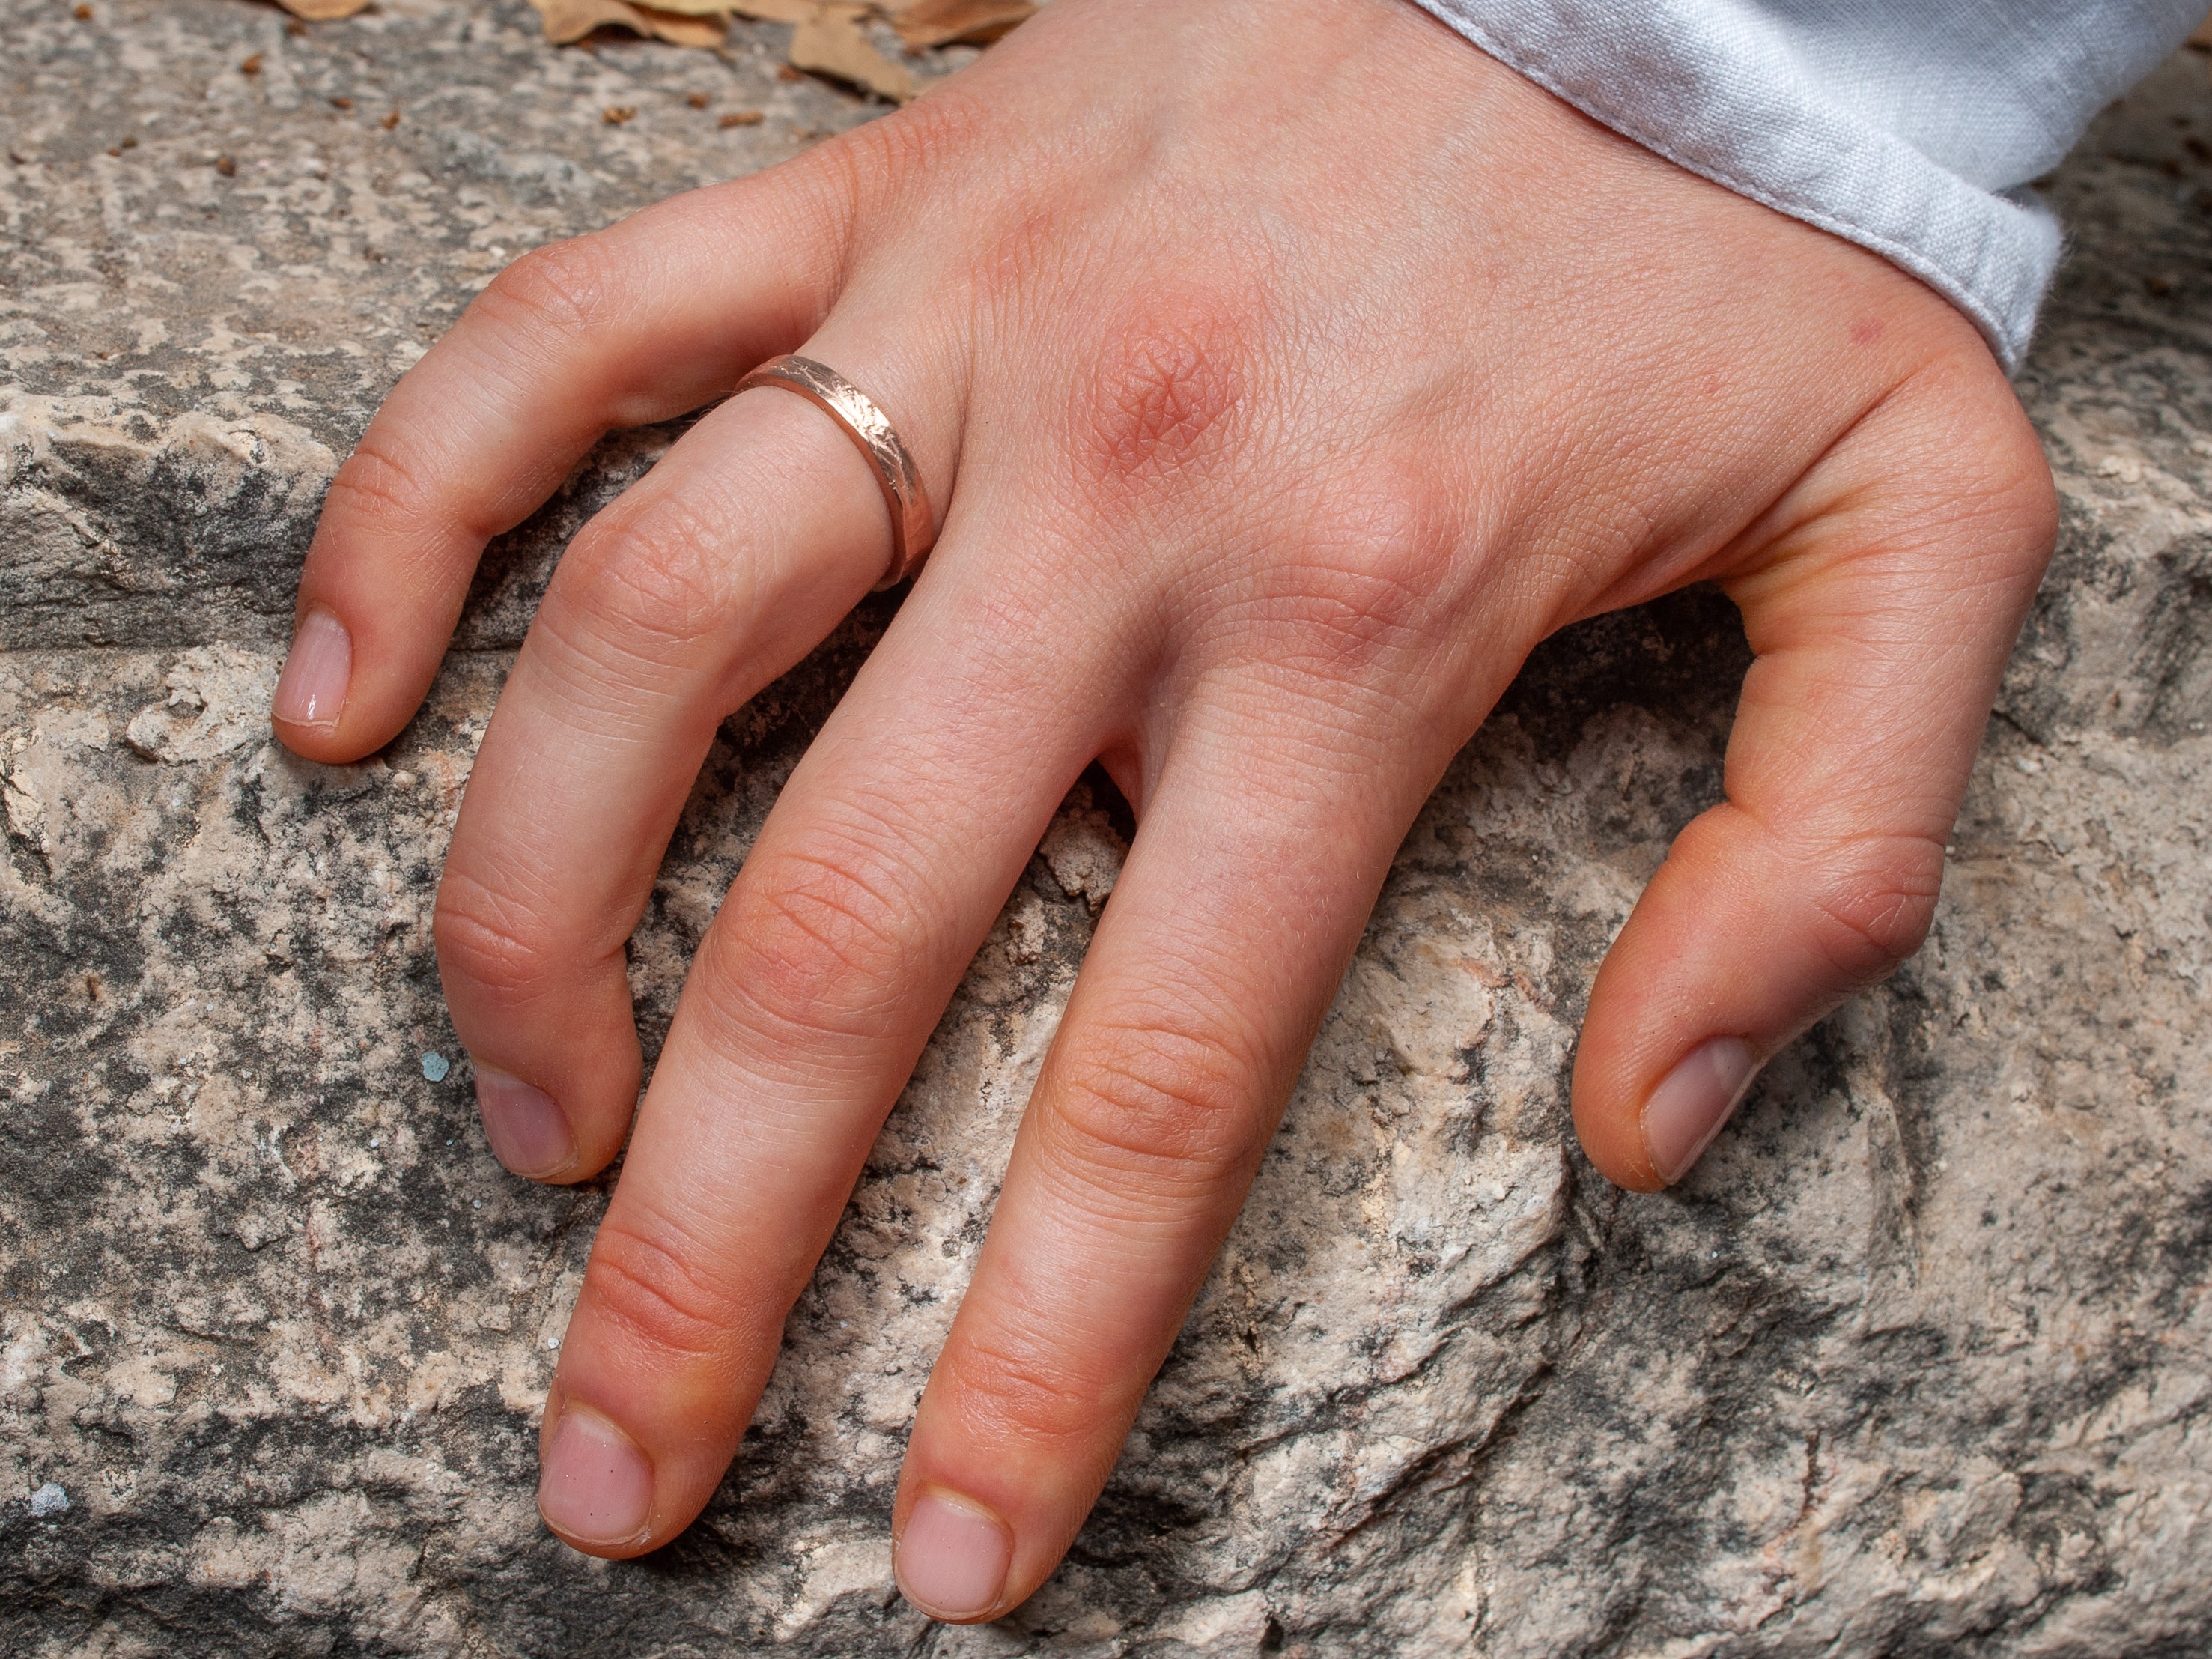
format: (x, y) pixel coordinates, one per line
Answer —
(1912, 127)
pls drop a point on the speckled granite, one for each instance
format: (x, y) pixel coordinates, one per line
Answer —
(1919, 1362)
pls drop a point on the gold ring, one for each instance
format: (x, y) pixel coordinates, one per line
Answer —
(912, 527)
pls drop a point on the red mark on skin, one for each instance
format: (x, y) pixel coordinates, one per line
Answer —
(1158, 399)
(1866, 331)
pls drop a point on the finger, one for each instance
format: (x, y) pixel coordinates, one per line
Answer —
(1226, 938)
(711, 576)
(870, 888)
(638, 323)
(1881, 611)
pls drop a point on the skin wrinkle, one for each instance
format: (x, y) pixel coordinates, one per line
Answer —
(1884, 912)
(1327, 740)
(1021, 1398)
(513, 944)
(1101, 1119)
(807, 980)
(377, 486)
(664, 1304)
(1136, 1196)
(1162, 403)
(749, 1096)
(651, 595)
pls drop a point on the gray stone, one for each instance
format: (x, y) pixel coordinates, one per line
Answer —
(1918, 1361)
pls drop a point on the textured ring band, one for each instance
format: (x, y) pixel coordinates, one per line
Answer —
(912, 527)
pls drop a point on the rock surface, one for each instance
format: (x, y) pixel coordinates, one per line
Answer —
(1919, 1361)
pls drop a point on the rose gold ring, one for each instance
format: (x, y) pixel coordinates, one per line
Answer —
(912, 527)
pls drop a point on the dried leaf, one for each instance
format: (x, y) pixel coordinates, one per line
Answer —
(761, 11)
(685, 28)
(830, 42)
(565, 20)
(321, 11)
(2204, 35)
(569, 20)
(927, 23)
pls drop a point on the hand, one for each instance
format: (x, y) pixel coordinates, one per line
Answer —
(1285, 370)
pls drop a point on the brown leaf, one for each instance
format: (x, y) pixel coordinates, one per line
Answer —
(762, 11)
(321, 11)
(830, 42)
(684, 28)
(958, 22)
(565, 20)
(568, 21)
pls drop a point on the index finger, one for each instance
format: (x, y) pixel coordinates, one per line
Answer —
(638, 323)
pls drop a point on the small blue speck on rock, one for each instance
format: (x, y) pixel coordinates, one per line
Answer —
(49, 1499)
(434, 1067)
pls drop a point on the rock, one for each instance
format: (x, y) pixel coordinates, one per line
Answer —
(1920, 1359)
(1083, 850)
(48, 1500)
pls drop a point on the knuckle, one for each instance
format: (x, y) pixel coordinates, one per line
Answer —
(2023, 492)
(817, 945)
(884, 159)
(1996, 484)
(491, 940)
(1145, 1102)
(380, 485)
(1161, 400)
(563, 287)
(1877, 901)
(2001, 481)
(881, 175)
(647, 582)
(1012, 1388)
(643, 1280)
(1365, 590)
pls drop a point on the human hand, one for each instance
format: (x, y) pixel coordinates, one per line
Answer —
(1265, 457)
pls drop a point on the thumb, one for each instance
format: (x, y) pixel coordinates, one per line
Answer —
(1881, 598)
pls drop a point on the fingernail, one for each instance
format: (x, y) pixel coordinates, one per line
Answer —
(312, 689)
(528, 1131)
(1688, 1108)
(951, 1560)
(596, 1486)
